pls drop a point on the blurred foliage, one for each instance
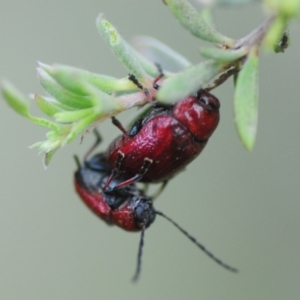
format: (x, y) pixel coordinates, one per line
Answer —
(78, 100)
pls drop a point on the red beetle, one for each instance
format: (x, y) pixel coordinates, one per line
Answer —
(126, 207)
(164, 140)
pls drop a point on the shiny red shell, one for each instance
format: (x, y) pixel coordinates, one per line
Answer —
(122, 211)
(171, 138)
(122, 216)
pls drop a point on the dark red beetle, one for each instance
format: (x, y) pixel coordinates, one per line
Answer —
(164, 140)
(125, 207)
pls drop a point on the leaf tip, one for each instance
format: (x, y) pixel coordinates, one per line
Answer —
(42, 65)
(99, 18)
(5, 84)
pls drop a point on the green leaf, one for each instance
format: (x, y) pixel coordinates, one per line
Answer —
(275, 33)
(160, 53)
(188, 81)
(15, 99)
(72, 116)
(103, 104)
(70, 78)
(81, 126)
(49, 106)
(234, 2)
(47, 158)
(148, 65)
(285, 8)
(62, 95)
(120, 47)
(222, 55)
(194, 22)
(19, 104)
(207, 15)
(246, 100)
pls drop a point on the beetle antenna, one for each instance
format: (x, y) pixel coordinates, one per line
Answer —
(212, 256)
(139, 258)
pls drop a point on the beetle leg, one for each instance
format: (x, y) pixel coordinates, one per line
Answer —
(132, 78)
(160, 76)
(146, 164)
(115, 171)
(159, 191)
(95, 145)
(118, 124)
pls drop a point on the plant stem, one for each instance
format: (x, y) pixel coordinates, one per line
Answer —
(256, 36)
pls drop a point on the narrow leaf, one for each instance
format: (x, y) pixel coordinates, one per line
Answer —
(119, 47)
(72, 116)
(148, 65)
(235, 2)
(79, 127)
(103, 104)
(49, 106)
(275, 33)
(188, 81)
(160, 53)
(222, 55)
(58, 92)
(20, 104)
(207, 15)
(246, 100)
(194, 22)
(47, 158)
(15, 99)
(286, 8)
(70, 78)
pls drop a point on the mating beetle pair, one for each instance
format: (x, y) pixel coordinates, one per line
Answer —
(126, 207)
(157, 146)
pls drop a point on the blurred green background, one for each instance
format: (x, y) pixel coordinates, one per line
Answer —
(243, 206)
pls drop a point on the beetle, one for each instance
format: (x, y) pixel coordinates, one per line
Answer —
(127, 207)
(163, 141)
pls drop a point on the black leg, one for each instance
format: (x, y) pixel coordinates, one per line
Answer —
(118, 124)
(160, 76)
(146, 164)
(115, 171)
(95, 145)
(137, 83)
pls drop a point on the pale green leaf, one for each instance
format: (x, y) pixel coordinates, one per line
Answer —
(222, 55)
(72, 78)
(19, 104)
(246, 100)
(188, 81)
(160, 53)
(194, 22)
(119, 47)
(56, 90)
(72, 116)
(49, 106)
(15, 99)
